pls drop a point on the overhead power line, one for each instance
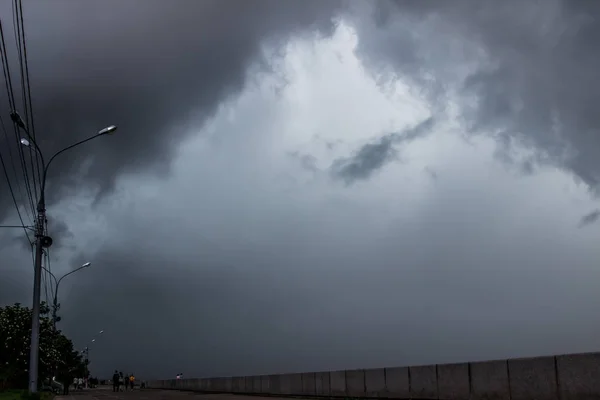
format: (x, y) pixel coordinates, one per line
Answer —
(12, 194)
(29, 198)
(12, 105)
(19, 27)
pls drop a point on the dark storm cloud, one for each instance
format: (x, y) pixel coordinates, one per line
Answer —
(371, 157)
(156, 70)
(368, 159)
(589, 218)
(532, 68)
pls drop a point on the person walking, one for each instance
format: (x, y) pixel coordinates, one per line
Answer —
(132, 381)
(115, 381)
(123, 380)
(64, 376)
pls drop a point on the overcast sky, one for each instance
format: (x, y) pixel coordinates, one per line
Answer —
(314, 185)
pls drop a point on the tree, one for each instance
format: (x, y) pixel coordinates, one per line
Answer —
(56, 350)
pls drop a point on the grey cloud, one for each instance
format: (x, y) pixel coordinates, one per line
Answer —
(431, 172)
(307, 161)
(153, 69)
(531, 66)
(368, 159)
(258, 284)
(589, 218)
(60, 232)
(371, 157)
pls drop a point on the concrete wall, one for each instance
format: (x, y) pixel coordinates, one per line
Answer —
(564, 377)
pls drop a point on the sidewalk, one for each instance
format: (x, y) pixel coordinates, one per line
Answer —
(154, 394)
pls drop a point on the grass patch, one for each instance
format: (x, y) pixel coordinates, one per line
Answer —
(24, 395)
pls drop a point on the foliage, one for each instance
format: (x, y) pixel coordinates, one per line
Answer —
(24, 395)
(56, 354)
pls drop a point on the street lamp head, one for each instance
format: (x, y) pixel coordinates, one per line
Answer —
(93, 340)
(25, 142)
(109, 130)
(87, 264)
(101, 332)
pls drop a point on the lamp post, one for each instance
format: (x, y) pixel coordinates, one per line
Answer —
(42, 241)
(86, 351)
(55, 304)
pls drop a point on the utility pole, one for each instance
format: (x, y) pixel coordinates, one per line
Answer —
(86, 362)
(42, 241)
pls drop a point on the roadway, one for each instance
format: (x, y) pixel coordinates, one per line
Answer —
(152, 394)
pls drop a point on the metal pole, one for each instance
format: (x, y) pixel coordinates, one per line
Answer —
(35, 318)
(55, 305)
(87, 368)
(87, 361)
(42, 241)
(54, 310)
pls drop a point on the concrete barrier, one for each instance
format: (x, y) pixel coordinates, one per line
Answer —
(453, 381)
(228, 385)
(337, 382)
(296, 383)
(533, 378)
(309, 385)
(248, 384)
(564, 377)
(265, 384)
(322, 387)
(578, 376)
(423, 382)
(489, 380)
(237, 385)
(256, 384)
(397, 383)
(285, 384)
(355, 383)
(375, 382)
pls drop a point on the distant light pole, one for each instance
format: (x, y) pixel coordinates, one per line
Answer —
(42, 241)
(86, 351)
(55, 304)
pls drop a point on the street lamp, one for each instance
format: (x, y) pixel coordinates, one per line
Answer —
(55, 305)
(86, 351)
(42, 241)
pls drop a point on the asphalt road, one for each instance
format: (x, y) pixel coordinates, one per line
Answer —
(150, 394)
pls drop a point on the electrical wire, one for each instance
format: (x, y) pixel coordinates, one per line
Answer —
(29, 86)
(19, 29)
(12, 194)
(12, 104)
(28, 212)
(8, 82)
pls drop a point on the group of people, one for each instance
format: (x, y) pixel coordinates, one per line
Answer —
(122, 382)
(76, 384)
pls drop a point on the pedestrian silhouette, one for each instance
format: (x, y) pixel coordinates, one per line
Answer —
(115, 381)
